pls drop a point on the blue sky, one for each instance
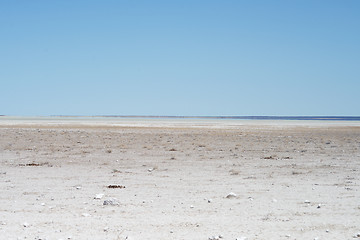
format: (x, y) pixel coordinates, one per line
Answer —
(179, 57)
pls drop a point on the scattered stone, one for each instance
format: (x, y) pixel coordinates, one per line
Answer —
(85, 215)
(242, 238)
(209, 200)
(25, 224)
(319, 206)
(217, 237)
(111, 201)
(357, 235)
(191, 206)
(78, 187)
(307, 201)
(99, 196)
(231, 195)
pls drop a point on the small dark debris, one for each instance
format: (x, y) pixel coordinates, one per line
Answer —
(33, 164)
(116, 186)
(270, 157)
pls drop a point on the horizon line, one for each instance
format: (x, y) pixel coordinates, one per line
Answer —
(247, 117)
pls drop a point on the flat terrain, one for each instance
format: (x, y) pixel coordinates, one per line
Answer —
(289, 182)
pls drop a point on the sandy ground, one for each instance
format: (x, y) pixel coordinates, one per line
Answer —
(291, 182)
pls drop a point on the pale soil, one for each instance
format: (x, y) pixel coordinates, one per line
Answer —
(169, 175)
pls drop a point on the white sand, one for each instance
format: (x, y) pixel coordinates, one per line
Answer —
(177, 175)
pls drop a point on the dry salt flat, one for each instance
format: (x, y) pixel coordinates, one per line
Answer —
(187, 179)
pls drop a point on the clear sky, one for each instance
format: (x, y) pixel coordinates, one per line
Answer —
(185, 57)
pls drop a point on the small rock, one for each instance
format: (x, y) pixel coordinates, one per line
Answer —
(307, 201)
(78, 187)
(99, 196)
(357, 235)
(111, 201)
(231, 195)
(241, 238)
(85, 215)
(215, 237)
(25, 224)
(191, 206)
(209, 200)
(319, 206)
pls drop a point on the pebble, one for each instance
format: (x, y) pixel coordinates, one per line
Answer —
(357, 235)
(319, 206)
(85, 215)
(99, 196)
(231, 195)
(217, 237)
(111, 201)
(241, 238)
(25, 224)
(306, 201)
